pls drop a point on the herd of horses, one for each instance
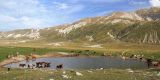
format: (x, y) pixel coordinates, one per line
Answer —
(39, 65)
(149, 61)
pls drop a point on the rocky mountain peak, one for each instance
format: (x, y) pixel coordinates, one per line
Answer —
(152, 13)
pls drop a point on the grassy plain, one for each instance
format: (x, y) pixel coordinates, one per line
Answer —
(114, 49)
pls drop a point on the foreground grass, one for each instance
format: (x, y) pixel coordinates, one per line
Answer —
(108, 74)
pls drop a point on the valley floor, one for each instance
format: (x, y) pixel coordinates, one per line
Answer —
(149, 51)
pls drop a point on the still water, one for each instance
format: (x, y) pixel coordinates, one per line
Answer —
(87, 63)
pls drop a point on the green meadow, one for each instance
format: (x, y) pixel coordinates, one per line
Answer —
(108, 74)
(75, 48)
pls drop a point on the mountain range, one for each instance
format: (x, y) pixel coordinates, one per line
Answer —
(141, 26)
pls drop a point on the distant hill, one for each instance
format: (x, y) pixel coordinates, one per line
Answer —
(141, 26)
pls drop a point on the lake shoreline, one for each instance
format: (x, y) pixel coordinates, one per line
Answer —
(20, 58)
(49, 55)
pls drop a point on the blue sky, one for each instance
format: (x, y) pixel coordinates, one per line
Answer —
(20, 14)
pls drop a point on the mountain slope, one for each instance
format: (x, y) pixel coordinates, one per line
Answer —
(141, 26)
(21, 34)
(147, 32)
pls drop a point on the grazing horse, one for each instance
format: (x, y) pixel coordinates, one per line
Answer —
(42, 64)
(47, 64)
(33, 57)
(149, 62)
(132, 56)
(59, 66)
(22, 65)
(39, 64)
(156, 64)
(8, 69)
(27, 58)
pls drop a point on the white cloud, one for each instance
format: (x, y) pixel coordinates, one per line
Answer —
(107, 1)
(96, 1)
(135, 3)
(31, 22)
(68, 8)
(7, 19)
(61, 5)
(16, 14)
(22, 14)
(155, 3)
(22, 7)
(74, 9)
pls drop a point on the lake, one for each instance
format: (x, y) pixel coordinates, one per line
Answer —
(87, 63)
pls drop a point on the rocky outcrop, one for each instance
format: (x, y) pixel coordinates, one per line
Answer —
(152, 38)
(21, 34)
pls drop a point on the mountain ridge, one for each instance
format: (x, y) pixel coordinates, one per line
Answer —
(140, 26)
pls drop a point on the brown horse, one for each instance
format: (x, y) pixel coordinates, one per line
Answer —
(59, 66)
(149, 62)
(22, 65)
(42, 64)
(34, 57)
(27, 58)
(47, 64)
(39, 64)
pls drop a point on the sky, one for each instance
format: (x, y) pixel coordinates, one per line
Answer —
(22, 14)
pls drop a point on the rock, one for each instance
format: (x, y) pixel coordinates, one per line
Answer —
(130, 70)
(100, 69)
(90, 71)
(79, 74)
(158, 74)
(51, 79)
(65, 76)
(64, 72)
(14, 78)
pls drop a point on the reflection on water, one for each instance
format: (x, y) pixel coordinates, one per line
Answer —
(87, 63)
